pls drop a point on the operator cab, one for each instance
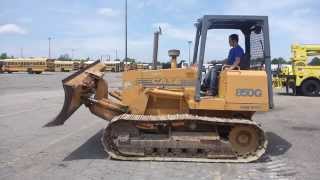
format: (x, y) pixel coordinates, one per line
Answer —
(256, 45)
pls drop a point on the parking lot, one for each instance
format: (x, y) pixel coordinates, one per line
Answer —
(73, 151)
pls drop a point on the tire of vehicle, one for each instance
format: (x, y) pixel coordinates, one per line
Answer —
(310, 88)
(29, 70)
(298, 91)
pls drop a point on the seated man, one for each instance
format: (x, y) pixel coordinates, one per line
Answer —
(236, 53)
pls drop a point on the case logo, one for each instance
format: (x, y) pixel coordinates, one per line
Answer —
(249, 92)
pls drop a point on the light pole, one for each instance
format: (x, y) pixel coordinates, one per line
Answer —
(126, 31)
(49, 39)
(116, 53)
(72, 53)
(107, 57)
(189, 43)
(21, 52)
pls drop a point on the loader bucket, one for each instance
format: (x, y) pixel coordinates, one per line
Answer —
(75, 89)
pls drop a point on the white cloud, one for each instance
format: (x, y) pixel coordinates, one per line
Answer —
(12, 29)
(108, 12)
(299, 30)
(264, 6)
(291, 21)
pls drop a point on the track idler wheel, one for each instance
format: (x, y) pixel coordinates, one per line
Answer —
(244, 139)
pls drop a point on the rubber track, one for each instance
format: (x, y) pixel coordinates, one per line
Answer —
(129, 117)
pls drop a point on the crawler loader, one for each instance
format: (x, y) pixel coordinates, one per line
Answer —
(161, 115)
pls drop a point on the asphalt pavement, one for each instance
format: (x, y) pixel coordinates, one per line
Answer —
(73, 151)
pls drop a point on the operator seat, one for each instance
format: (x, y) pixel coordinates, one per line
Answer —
(245, 62)
(207, 79)
(244, 65)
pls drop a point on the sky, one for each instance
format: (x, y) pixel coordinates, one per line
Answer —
(95, 28)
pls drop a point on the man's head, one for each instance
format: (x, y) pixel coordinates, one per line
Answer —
(233, 40)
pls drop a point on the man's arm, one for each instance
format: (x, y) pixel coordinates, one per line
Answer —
(235, 64)
(238, 54)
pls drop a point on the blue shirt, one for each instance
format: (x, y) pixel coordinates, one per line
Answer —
(234, 53)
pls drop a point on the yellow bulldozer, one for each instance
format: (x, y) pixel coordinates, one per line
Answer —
(161, 115)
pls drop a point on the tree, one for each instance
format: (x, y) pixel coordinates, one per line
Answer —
(315, 62)
(179, 65)
(131, 60)
(64, 57)
(279, 60)
(3, 56)
(166, 65)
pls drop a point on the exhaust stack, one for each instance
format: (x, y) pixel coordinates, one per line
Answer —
(156, 48)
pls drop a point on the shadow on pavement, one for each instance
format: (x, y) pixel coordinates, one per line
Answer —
(285, 94)
(276, 146)
(91, 149)
(290, 94)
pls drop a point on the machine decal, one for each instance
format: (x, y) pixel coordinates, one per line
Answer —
(248, 92)
(165, 83)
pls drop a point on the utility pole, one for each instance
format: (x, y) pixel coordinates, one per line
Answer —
(126, 31)
(49, 39)
(116, 53)
(21, 52)
(72, 53)
(108, 57)
(189, 43)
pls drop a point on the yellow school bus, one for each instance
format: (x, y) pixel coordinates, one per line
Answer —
(142, 66)
(114, 66)
(76, 65)
(50, 65)
(128, 66)
(84, 64)
(30, 65)
(63, 66)
(1, 65)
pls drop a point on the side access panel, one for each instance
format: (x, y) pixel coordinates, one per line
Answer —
(244, 90)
